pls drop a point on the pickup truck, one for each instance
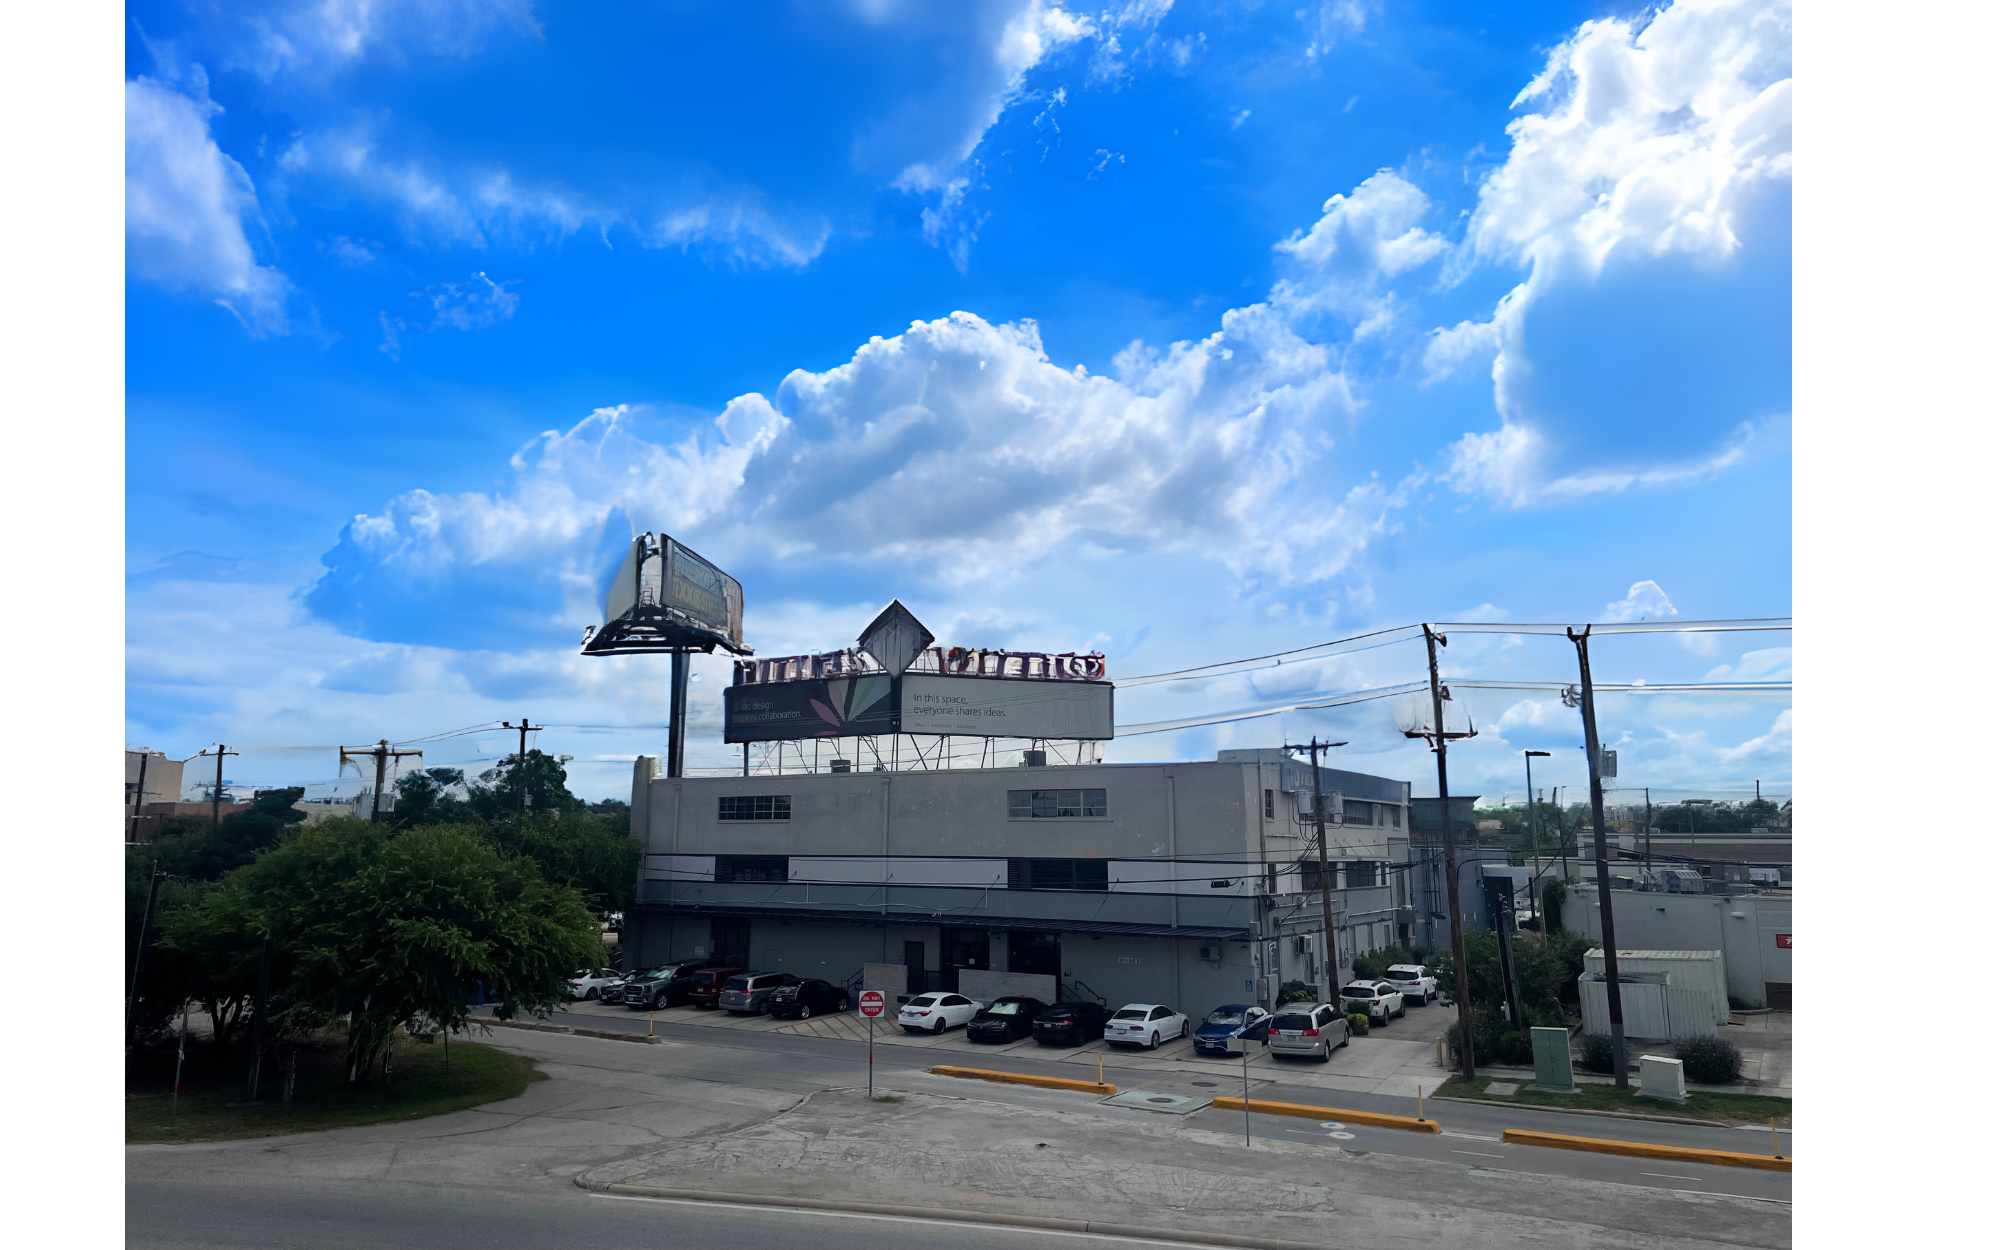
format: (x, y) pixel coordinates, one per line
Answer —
(1415, 981)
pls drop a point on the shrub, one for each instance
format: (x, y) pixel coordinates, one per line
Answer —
(1358, 1021)
(1513, 1047)
(1596, 1053)
(1709, 1060)
(1376, 966)
(1296, 992)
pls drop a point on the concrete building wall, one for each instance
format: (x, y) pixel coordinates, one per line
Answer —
(1746, 928)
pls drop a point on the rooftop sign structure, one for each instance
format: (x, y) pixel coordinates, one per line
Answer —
(666, 598)
(895, 682)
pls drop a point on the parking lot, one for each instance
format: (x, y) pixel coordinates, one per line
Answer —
(1395, 1058)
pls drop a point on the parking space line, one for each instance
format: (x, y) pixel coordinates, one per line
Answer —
(1670, 1175)
(1481, 1154)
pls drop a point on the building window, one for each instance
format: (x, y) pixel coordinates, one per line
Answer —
(1356, 812)
(1396, 819)
(752, 868)
(1057, 874)
(1054, 804)
(754, 807)
(1361, 874)
(1309, 875)
(1038, 954)
(1270, 805)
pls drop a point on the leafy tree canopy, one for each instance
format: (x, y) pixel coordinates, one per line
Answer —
(193, 848)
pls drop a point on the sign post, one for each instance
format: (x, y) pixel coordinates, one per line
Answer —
(871, 1006)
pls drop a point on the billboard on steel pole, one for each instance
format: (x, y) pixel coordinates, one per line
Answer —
(664, 597)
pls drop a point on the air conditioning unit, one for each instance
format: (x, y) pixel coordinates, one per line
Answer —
(1335, 804)
(1302, 946)
(1213, 954)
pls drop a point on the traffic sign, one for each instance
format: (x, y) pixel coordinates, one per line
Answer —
(871, 1003)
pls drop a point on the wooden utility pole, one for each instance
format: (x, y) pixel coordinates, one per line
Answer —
(1613, 1001)
(1461, 985)
(1329, 952)
(382, 753)
(521, 762)
(215, 796)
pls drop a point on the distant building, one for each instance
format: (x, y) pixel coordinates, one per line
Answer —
(1753, 931)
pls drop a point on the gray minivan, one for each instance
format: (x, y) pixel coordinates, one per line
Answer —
(746, 993)
(1316, 1029)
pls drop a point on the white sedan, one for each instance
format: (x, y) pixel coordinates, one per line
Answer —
(934, 1013)
(1144, 1024)
(590, 983)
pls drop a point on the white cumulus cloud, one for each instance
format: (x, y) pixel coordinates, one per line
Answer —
(186, 202)
(1645, 601)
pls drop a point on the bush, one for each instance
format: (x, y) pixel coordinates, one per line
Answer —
(1513, 1047)
(1596, 1053)
(1375, 967)
(1709, 1060)
(1358, 1021)
(1296, 992)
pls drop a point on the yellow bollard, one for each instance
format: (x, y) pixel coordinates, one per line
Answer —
(1776, 1150)
(1420, 1102)
(649, 1024)
(1100, 1071)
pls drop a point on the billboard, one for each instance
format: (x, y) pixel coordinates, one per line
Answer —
(830, 707)
(915, 703)
(663, 597)
(999, 707)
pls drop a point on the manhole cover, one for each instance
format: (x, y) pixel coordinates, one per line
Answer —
(1153, 1100)
(1205, 1084)
(1169, 1101)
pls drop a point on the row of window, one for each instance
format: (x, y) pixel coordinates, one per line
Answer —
(1055, 804)
(1352, 811)
(1058, 874)
(754, 807)
(1083, 803)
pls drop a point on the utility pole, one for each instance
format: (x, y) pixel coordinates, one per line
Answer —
(1329, 952)
(382, 753)
(139, 958)
(139, 799)
(1461, 986)
(1649, 829)
(1613, 1001)
(215, 796)
(521, 763)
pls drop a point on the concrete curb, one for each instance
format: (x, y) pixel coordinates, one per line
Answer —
(606, 1034)
(1022, 1078)
(1374, 1119)
(1614, 1115)
(1647, 1150)
(1095, 1227)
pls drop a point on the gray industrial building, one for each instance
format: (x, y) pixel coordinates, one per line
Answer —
(1185, 883)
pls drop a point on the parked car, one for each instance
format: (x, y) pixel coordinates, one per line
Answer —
(589, 983)
(1227, 1023)
(1144, 1024)
(1005, 1019)
(706, 986)
(1414, 981)
(745, 993)
(808, 998)
(1071, 1024)
(934, 1013)
(657, 988)
(1379, 999)
(1316, 1029)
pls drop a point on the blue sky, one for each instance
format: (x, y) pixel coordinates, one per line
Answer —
(1181, 331)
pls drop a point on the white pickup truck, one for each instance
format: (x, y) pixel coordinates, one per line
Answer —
(1415, 981)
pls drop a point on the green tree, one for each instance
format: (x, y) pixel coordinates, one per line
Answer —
(578, 849)
(496, 792)
(381, 929)
(194, 848)
(424, 797)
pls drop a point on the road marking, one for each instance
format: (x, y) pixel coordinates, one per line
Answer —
(1480, 1154)
(1670, 1176)
(898, 1219)
(1466, 1136)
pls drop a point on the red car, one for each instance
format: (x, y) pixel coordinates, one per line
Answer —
(707, 986)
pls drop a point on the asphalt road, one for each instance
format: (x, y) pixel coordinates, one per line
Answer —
(1471, 1131)
(214, 1213)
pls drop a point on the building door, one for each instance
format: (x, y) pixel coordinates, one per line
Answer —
(1778, 995)
(729, 939)
(963, 948)
(913, 966)
(1039, 954)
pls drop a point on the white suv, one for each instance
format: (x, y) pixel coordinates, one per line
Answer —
(1415, 981)
(1379, 999)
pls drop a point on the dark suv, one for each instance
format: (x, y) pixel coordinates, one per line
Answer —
(656, 989)
(746, 993)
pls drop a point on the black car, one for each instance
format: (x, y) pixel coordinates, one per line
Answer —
(1072, 1024)
(655, 989)
(1005, 1019)
(807, 998)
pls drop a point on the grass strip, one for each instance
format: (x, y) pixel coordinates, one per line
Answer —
(215, 1105)
(1700, 1105)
